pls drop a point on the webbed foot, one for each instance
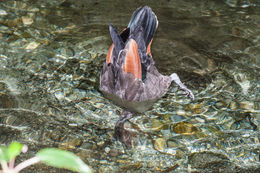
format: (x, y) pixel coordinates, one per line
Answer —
(120, 133)
(187, 92)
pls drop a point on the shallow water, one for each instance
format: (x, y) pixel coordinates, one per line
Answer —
(51, 54)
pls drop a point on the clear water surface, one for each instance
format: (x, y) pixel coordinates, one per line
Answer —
(51, 54)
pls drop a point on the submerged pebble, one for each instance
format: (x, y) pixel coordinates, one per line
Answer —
(205, 159)
(246, 105)
(27, 20)
(232, 105)
(185, 128)
(157, 125)
(3, 12)
(32, 45)
(160, 143)
(7, 101)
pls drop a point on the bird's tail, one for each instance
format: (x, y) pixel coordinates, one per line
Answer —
(143, 24)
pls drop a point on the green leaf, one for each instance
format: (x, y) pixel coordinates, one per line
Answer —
(7, 154)
(14, 149)
(62, 159)
(4, 154)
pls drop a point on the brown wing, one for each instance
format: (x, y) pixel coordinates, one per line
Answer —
(109, 54)
(132, 63)
(124, 36)
(149, 48)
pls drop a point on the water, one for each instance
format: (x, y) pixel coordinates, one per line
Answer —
(51, 54)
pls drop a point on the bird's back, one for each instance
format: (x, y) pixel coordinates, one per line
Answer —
(129, 77)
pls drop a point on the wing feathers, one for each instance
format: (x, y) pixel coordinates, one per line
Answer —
(148, 51)
(117, 40)
(109, 54)
(132, 63)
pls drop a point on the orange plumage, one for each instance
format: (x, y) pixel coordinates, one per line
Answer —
(132, 62)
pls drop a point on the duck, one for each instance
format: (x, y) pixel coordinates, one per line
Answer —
(129, 77)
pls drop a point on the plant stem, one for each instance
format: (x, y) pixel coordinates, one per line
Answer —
(26, 163)
(11, 163)
(4, 166)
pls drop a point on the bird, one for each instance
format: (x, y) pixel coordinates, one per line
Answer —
(129, 77)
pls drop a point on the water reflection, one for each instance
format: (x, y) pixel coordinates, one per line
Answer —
(51, 54)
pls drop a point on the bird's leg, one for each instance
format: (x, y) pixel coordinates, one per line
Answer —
(120, 132)
(177, 80)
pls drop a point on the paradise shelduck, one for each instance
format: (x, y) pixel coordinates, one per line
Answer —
(129, 77)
